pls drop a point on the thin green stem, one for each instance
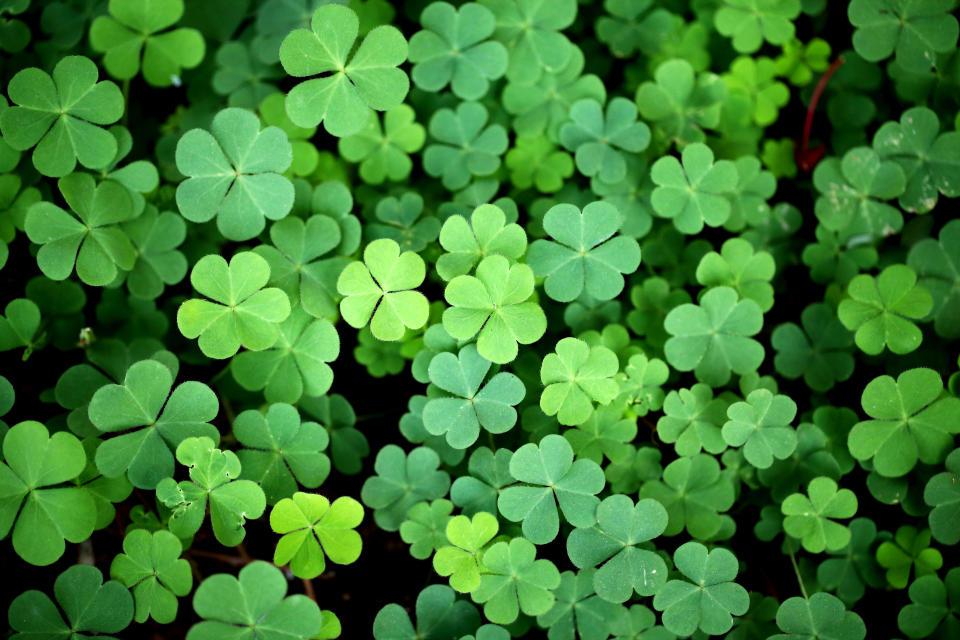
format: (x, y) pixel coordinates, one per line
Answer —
(493, 447)
(796, 571)
(126, 101)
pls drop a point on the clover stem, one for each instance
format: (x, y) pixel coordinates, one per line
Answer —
(233, 561)
(805, 158)
(796, 571)
(308, 589)
(126, 100)
(493, 447)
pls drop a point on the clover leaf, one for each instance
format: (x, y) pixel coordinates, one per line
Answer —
(213, 476)
(751, 22)
(258, 607)
(531, 32)
(712, 338)
(244, 314)
(468, 242)
(461, 558)
(938, 267)
(151, 567)
(693, 420)
(908, 550)
(577, 610)
(943, 494)
(606, 433)
(910, 422)
(693, 193)
(762, 426)
(917, 29)
(345, 99)
(739, 266)
(313, 528)
(820, 351)
(934, 607)
(383, 151)
(155, 422)
(424, 528)
(495, 306)
(681, 103)
(399, 218)
(586, 256)
(453, 48)
(600, 139)
(812, 519)
(552, 476)
(621, 526)
(39, 511)
(468, 145)
(489, 474)
(710, 598)
(234, 174)
(156, 236)
(474, 404)
(20, 325)
(133, 27)
(515, 581)
(693, 491)
(853, 566)
(280, 451)
(536, 162)
(90, 604)
(439, 614)
(60, 113)
(641, 382)
(822, 616)
(629, 26)
(575, 376)
(402, 480)
(243, 77)
(89, 239)
(381, 290)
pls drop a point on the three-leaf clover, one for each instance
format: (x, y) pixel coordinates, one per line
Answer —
(453, 49)
(425, 527)
(257, 607)
(762, 426)
(693, 193)
(153, 420)
(41, 513)
(934, 607)
(439, 614)
(495, 303)
(681, 103)
(244, 314)
(822, 616)
(586, 256)
(908, 550)
(20, 326)
(938, 265)
(531, 31)
(156, 236)
(712, 338)
(234, 174)
(812, 518)
(910, 422)
(381, 290)
(402, 219)
(313, 528)
(344, 99)
(383, 151)
(489, 474)
(151, 567)
(577, 610)
(693, 491)
(474, 404)
(60, 114)
(575, 376)
(710, 598)
(621, 526)
(600, 139)
(917, 29)
(468, 145)
(750, 22)
(402, 480)
(552, 476)
(692, 420)
(739, 266)
(213, 479)
(461, 558)
(943, 494)
(467, 242)
(820, 351)
(515, 581)
(132, 27)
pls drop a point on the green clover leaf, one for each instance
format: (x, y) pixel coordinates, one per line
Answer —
(439, 614)
(599, 140)
(453, 48)
(820, 351)
(151, 567)
(473, 403)
(711, 597)
(89, 239)
(586, 256)
(402, 480)
(425, 527)
(19, 326)
(606, 433)
(822, 616)
(911, 422)
(621, 526)
(515, 581)
(938, 267)
(468, 146)
(761, 425)
(313, 528)
(348, 446)
(629, 26)
(693, 193)
(934, 607)
(681, 103)
(156, 237)
(536, 162)
(489, 474)
(258, 607)
(60, 114)
(853, 566)
(460, 560)
(575, 376)
(280, 452)
(243, 77)
(244, 314)
(577, 612)
(40, 512)
(739, 266)
(213, 476)
(132, 27)
(345, 99)
(496, 305)
(641, 381)
(692, 420)
(90, 604)
(799, 60)
(468, 242)
(531, 31)
(908, 550)
(694, 492)
(402, 222)
(234, 174)
(812, 519)
(412, 428)
(917, 29)
(756, 78)
(552, 476)
(381, 290)
(751, 22)
(154, 421)
(943, 494)
(712, 338)
(383, 151)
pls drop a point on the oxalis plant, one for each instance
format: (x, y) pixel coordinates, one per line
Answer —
(447, 320)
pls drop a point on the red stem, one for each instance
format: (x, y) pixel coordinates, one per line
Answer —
(804, 156)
